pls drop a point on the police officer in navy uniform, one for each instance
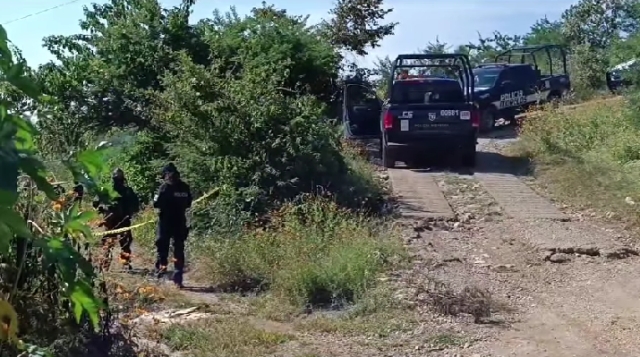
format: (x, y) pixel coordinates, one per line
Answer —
(172, 201)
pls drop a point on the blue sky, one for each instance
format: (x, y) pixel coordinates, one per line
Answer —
(454, 21)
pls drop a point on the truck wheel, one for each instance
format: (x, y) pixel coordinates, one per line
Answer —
(554, 98)
(388, 160)
(468, 159)
(513, 122)
(488, 120)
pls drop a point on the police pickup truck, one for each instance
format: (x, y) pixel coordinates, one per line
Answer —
(504, 89)
(621, 75)
(425, 114)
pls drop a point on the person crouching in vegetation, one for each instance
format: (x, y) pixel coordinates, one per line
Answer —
(172, 201)
(117, 215)
(78, 192)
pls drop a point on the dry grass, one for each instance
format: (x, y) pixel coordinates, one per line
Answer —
(588, 156)
(379, 315)
(223, 337)
(595, 102)
(471, 300)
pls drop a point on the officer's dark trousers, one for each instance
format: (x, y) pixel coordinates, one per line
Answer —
(124, 239)
(168, 232)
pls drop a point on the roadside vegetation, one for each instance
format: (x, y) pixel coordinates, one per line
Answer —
(589, 156)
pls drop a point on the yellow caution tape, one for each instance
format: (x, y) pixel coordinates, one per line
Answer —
(120, 230)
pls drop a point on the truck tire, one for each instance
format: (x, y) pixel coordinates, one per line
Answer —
(554, 98)
(468, 157)
(388, 160)
(488, 119)
(513, 122)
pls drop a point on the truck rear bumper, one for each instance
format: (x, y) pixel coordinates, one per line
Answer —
(437, 146)
(433, 140)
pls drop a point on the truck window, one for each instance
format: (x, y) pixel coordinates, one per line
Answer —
(425, 92)
(485, 77)
(524, 74)
(506, 76)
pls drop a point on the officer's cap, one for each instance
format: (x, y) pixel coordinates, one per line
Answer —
(169, 168)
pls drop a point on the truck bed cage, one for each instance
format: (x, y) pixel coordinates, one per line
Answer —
(487, 65)
(456, 61)
(531, 51)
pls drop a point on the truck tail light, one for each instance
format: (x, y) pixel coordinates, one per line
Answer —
(475, 118)
(387, 120)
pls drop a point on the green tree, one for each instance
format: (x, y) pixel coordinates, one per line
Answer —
(236, 101)
(103, 77)
(356, 25)
(546, 32)
(596, 23)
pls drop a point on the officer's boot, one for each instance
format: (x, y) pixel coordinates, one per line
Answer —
(125, 260)
(161, 270)
(178, 278)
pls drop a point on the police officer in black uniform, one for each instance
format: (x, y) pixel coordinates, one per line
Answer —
(172, 201)
(118, 215)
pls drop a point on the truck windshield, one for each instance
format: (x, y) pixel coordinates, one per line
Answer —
(425, 92)
(485, 77)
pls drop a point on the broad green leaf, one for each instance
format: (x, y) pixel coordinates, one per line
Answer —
(35, 170)
(9, 174)
(85, 301)
(24, 135)
(54, 244)
(92, 160)
(27, 86)
(77, 222)
(8, 131)
(60, 253)
(73, 212)
(5, 238)
(8, 198)
(86, 216)
(16, 71)
(76, 226)
(4, 40)
(15, 222)
(5, 53)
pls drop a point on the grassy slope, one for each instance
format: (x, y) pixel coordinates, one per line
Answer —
(589, 155)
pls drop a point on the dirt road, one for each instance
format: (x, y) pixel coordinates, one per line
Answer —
(558, 283)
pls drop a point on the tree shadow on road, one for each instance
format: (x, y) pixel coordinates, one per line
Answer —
(502, 132)
(497, 163)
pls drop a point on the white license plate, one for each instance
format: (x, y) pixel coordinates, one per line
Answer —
(404, 125)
